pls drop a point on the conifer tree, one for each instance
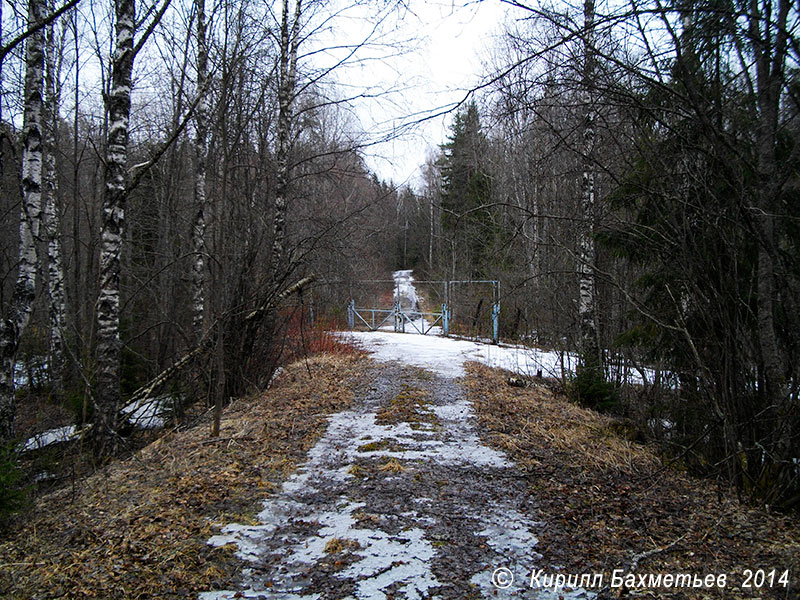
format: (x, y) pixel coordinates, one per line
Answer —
(466, 193)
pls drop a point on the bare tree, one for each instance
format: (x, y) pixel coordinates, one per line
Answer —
(107, 392)
(15, 321)
(591, 360)
(201, 157)
(287, 83)
(52, 222)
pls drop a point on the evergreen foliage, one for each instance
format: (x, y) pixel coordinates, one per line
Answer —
(467, 192)
(589, 387)
(13, 496)
(694, 238)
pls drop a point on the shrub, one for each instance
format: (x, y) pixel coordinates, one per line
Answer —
(589, 388)
(13, 496)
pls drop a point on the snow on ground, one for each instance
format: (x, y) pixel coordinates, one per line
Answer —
(447, 356)
(151, 413)
(404, 291)
(53, 436)
(398, 550)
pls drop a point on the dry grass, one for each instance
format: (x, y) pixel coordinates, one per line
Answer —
(608, 502)
(411, 405)
(138, 528)
(338, 545)
(393, 466)
(357, 470)
(541, 414)
(385, 445)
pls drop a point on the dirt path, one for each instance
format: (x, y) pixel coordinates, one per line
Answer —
(399, 499)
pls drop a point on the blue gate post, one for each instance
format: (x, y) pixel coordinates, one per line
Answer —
(397, 317)
(445, 320)
(351, 317)
(496, 322)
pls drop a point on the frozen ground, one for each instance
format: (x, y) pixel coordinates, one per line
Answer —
(447, 356)
(436, 522)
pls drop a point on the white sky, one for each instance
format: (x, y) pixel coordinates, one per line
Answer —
(446, 44)
(452, 39)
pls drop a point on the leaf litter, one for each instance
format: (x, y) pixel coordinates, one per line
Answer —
(609, 504)
(539, 483)
(138, 528)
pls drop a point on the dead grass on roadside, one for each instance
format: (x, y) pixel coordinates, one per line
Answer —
(609, 504)
(139, 527)
(566, 428)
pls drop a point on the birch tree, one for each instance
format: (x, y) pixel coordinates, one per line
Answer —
(287, 82)
(55, 267)
(590, 359)
(201, 156)
(107, 392)
(288, 43)
(16, 320)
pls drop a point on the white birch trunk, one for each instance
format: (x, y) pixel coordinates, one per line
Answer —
(290, 39)
(107, 307)
(430, 232)
(14, 323)
(590, 351)
(201, 154)
(55, 266)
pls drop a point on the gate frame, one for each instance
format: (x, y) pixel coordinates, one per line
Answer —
(444, 316)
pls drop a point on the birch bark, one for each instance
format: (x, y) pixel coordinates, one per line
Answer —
(55, 267)
(107, 308)
(590, 350)
(201, 154)
(290, 39)
(21, 306)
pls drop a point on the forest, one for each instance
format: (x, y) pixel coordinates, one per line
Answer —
(184, 183)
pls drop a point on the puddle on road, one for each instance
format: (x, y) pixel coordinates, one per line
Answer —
(435, 525)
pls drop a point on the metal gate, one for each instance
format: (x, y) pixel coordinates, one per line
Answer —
(399, 317)
(424, 323)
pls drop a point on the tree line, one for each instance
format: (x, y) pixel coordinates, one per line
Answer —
(630, 171)
(170, 170)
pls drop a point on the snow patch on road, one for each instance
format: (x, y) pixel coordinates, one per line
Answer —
(405, 294)
(389, 552)
(446, 356)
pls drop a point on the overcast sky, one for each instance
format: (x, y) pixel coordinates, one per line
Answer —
(449, 42)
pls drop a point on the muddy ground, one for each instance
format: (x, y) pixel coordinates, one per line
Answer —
(398, 499)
